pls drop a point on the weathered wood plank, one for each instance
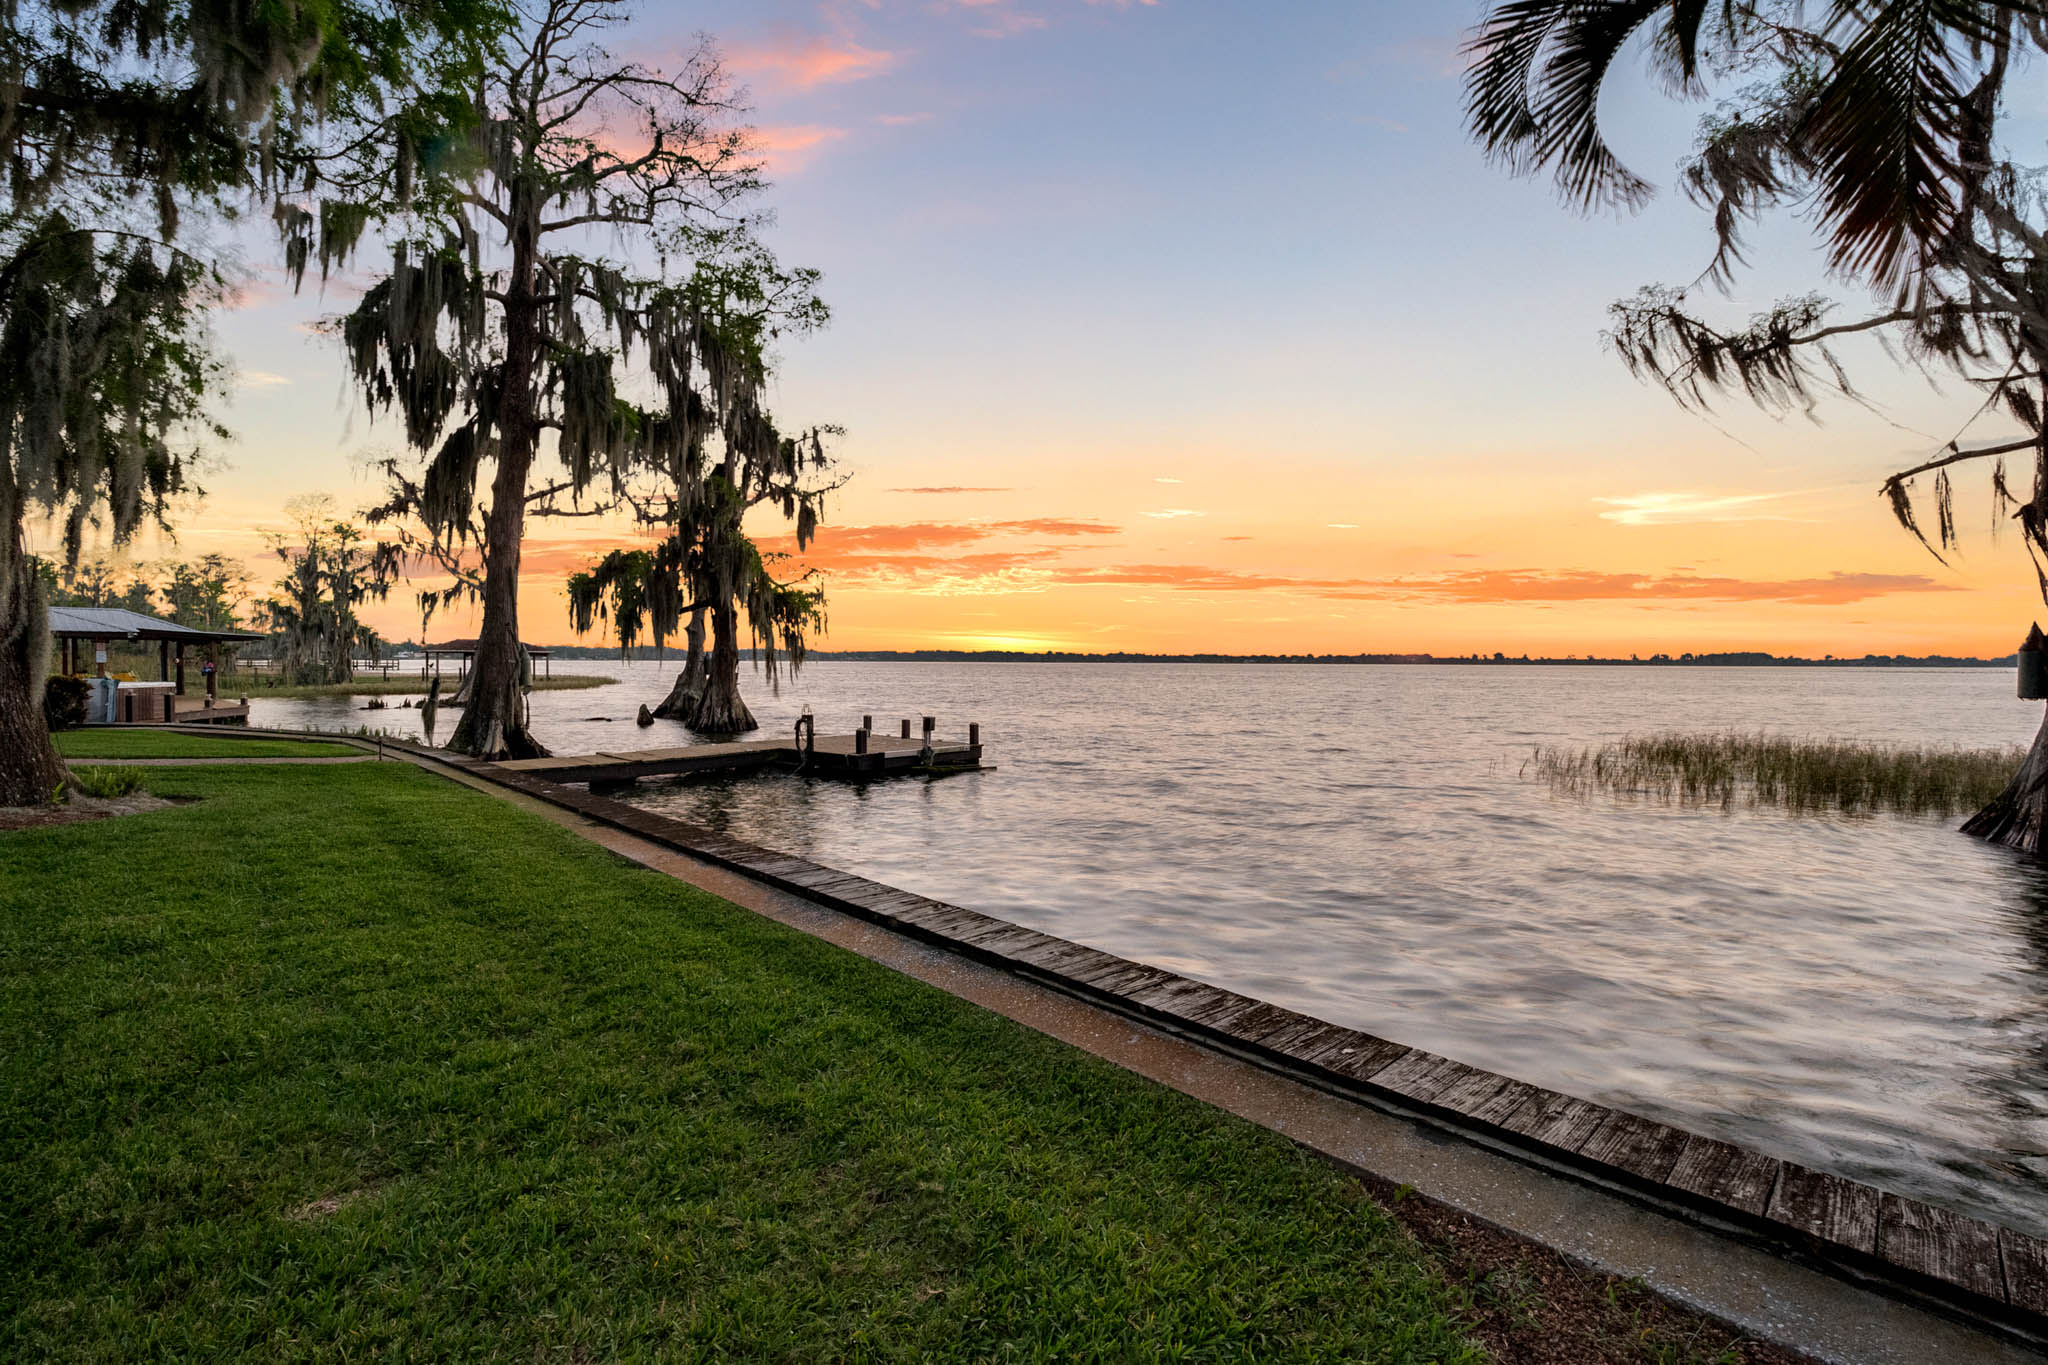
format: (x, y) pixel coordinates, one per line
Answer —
(1334, 1041)
(1419, 1076)
(1097, 966)
(1172, 992)
(1473, 1091)
(1255, 1024)
(1503, 1102)
(1052, 955)
(1439, 1081)
(1725, 1173)
(1284, 1036)
(1138, 978)
(1366, 1060)
(1220, 1011)
(2026, 1270)
(1640, 1146)
(1006, 944)
(1940, 1244)
(1826, 1207)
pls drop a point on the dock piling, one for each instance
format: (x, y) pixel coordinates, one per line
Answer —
(906, 727)
(974, 733)
(930, 724)
(867, 723)
(860, 738)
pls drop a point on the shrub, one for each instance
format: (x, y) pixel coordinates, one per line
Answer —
(108, 784)
(64, 701)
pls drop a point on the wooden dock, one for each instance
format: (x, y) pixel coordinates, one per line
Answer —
(856, 756)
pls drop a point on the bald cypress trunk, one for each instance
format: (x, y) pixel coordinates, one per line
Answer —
(2017, 817)
(681, 702)
(721, 710)
(30, 771)
(493, 722)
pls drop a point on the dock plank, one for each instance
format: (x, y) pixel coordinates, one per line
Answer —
(2026, 1270)
(1640, 1146)
(1554, 1120)
(1366, 1060)
(1940, 1244)
(1495, 1110)
(1826, 1207)
(1725, 1173)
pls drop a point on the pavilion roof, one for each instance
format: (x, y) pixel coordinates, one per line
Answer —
(115, 623)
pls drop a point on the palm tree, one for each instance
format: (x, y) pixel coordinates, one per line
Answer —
(1892, 136)
(1881, 120)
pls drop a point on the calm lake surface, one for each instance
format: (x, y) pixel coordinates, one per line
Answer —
(1866, 995)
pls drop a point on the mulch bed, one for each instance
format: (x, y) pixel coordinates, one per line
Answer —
(1532, 1306)
(78, 810)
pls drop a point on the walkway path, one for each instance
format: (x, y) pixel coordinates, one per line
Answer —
(223, 761)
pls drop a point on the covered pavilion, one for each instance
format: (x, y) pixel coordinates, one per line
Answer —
(75, 627)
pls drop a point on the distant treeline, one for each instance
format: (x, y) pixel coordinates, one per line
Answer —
(1744, 659)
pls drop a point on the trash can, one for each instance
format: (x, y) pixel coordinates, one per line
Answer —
(101, 701)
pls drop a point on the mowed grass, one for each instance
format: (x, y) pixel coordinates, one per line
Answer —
(1772, 770)
(354, 1063)
(120, 743)
(397, 685)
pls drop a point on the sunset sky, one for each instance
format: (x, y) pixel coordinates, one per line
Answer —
(1189, 325)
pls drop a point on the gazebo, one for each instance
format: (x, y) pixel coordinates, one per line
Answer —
(75, 626)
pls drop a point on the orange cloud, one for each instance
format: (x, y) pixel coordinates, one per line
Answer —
(1523, 585)
(928, 556)
(835, 544)
(790, 148)
(796, 62)
(952, 488)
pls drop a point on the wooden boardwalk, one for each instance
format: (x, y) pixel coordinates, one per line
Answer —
(831, 756)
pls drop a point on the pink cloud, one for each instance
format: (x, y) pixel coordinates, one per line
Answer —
(793, 62)
(791, 147)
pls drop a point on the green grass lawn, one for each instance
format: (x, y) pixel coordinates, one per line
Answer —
(118, 743)
(397, 685)
(354, 1063)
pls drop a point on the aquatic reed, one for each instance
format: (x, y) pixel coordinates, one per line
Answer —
(1803, 775)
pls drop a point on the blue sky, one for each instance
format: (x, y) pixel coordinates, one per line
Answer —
(1232, 282)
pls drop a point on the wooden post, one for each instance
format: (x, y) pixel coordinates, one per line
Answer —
(181, 668)
(974, 733)
(930, 724)
(867, 722)
(170, 708)
(163, 660)
(860, 740)
(906, 727)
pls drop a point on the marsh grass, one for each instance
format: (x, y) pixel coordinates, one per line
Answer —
(254, 684)
(1801, 775)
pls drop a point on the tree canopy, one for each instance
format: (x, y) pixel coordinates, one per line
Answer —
(119, 121)
(533, 371)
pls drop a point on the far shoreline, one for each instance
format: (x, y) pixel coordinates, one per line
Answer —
(1745, 659)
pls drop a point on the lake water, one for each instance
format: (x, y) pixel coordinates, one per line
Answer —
(1866, 995)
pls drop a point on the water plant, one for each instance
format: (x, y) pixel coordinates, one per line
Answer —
(1802, 775)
